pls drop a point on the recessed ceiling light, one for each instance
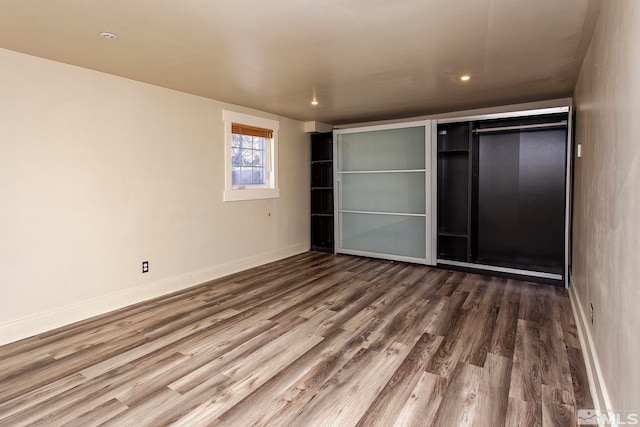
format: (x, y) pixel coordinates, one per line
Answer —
(314, 102)
(465, 78)
(107, 35)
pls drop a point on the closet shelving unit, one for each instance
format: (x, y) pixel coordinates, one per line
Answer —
(454, 145)
(322, 192)
(503, 193)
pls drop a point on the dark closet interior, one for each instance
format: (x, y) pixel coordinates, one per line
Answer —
(502, 193)
(322, 192)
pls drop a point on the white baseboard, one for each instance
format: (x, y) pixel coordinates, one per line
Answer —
(597, 385)
(43, 322)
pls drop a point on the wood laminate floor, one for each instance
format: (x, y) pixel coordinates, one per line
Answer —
(313, 340)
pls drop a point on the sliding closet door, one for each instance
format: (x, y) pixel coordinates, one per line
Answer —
(521, 199)
(383, 191)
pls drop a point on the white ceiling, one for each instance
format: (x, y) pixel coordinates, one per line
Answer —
(363, 59)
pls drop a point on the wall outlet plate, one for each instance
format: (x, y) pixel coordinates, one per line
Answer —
(145, 266)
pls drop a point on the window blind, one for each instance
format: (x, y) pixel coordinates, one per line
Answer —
(251, 131)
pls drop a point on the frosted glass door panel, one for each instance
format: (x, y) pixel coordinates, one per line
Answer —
(391, 149)
(384, 234)
(396, 192)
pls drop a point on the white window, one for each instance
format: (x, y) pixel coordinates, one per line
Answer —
(250, 157)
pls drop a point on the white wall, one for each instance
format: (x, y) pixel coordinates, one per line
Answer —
(98, 173)
(606, 245)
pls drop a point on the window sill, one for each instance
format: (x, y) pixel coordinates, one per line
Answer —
(251, 194)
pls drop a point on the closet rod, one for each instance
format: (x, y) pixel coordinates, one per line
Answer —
(539, 125)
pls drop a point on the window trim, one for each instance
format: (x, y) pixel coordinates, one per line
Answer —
(269, 190)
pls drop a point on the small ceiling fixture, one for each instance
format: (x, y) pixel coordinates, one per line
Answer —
(465, 78)
(314, 102)
(107, 35)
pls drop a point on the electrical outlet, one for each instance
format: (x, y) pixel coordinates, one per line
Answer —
(145, 266)
(592, 314)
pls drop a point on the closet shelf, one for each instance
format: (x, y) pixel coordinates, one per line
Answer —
(452, 233)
